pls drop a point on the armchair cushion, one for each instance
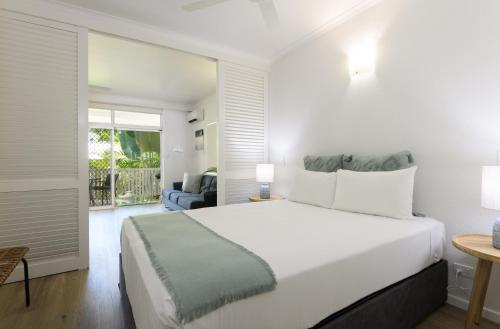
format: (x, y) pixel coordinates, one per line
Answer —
(191, 183)
(208, 183)
(176, 197)
(167, 192)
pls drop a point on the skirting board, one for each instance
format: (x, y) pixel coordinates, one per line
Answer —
(44, 267)
(462, 303)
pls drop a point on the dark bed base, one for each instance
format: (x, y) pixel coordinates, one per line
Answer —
(402, 305)
(127, 308)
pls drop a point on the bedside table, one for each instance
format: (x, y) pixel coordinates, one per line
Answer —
(479, 246)
(256, 198)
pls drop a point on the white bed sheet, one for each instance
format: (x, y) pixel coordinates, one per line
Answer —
(323, 259)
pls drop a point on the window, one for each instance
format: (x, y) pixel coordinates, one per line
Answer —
(99, 116)
(124, 155)
(114, 116)
(137, 119)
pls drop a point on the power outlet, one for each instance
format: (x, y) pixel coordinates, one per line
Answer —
(466, 271)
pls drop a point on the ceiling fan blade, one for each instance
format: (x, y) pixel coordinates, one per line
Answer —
(269, 13)
(192, 5)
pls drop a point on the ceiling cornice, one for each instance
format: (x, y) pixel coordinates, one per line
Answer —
(325, 28)
(106, 23)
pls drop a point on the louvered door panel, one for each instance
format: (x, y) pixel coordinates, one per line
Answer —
(39, 107)
(243, 100)
(42, 142)
(46, 221)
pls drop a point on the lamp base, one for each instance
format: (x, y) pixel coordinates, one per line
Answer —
(265, 191)
(496, 234)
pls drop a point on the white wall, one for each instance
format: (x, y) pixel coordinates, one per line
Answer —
(176, 133)
(436, 92)
(200, 158)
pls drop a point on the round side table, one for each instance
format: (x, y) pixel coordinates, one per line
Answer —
(257, 198)
(479, 246)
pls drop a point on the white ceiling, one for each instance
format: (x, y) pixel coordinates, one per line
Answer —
(140, 70)
(235, 24)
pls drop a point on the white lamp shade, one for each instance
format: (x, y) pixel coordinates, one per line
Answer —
(490, 189)
(265, 173)
(362, 58)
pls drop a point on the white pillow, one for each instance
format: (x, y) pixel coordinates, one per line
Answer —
(313, 187)
(382, 193)
(191, 183)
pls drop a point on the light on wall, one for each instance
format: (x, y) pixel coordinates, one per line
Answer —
(362, 58)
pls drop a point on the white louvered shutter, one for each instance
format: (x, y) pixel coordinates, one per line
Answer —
(41, 184)
(243, 130)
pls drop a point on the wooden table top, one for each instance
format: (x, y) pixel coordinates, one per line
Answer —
(478, 245)
(256, 198)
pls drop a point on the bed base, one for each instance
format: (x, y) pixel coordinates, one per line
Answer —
(127, 308)
(402, 305)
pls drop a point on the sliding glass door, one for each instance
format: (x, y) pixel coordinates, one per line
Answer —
(124, 158)
(100, 167)
(137, 166)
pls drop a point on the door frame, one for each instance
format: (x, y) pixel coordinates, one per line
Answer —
(113, 127)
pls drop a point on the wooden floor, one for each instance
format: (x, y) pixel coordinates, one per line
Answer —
(81, 299)
(91, 299)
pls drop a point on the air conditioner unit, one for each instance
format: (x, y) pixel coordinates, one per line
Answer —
(195, 116)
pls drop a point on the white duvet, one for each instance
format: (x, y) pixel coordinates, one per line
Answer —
(323, 259)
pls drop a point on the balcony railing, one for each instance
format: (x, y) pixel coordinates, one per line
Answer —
(133, 186)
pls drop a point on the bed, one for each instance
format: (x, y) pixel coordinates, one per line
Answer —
(328, 264)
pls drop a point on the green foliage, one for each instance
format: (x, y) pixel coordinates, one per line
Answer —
(145, 160)
(148, 141)
(133, 149)
(99, 164)
(128, 143)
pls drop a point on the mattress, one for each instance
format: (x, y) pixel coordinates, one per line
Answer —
(324, 260)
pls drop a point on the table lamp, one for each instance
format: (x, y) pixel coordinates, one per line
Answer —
(265, 175)
(490, 197)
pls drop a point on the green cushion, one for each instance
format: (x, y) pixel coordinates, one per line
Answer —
(323, 163)
(389, 162)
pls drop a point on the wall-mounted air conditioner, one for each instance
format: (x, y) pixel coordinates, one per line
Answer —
(195, 116)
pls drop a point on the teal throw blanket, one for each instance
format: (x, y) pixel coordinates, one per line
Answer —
(201, 270)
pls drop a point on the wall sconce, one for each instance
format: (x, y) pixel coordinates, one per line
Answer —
(362, 59)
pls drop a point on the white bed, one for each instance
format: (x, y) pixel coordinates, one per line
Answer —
(323, 259)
